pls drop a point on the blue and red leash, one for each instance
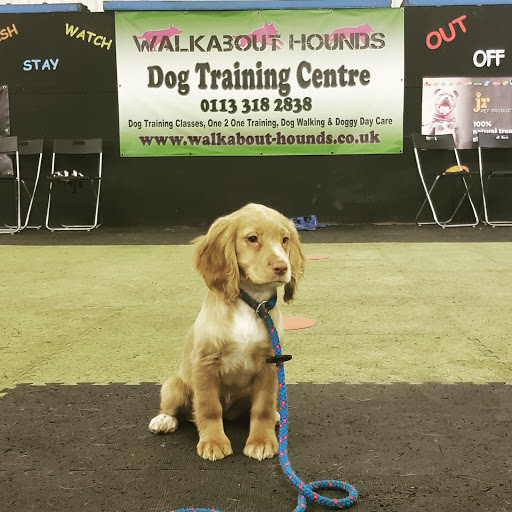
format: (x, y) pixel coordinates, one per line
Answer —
(307, 491)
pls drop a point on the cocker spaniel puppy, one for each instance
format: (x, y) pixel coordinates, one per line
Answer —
(224, 370)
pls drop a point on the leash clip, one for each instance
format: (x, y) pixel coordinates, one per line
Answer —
(279, 358)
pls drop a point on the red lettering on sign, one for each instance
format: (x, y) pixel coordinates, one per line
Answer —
(435, 38)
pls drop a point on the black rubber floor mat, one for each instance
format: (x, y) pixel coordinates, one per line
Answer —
(405, 448)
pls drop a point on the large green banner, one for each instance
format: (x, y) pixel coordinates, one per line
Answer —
(301, 82)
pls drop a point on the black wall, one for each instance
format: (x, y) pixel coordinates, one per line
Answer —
(79, 99)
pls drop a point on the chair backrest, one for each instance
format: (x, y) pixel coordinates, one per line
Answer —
(9, 165)
(435, 162)
(433, 141)
(77, 146)
(31, 146)
(493, 141)
(9, 144)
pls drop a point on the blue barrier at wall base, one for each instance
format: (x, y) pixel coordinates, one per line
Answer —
(25, 8)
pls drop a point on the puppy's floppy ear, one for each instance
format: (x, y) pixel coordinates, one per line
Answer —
(297, 263)
(215, 259)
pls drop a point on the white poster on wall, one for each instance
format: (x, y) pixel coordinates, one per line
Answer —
(279, 82)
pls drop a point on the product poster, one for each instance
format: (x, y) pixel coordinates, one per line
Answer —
(466, 106)
(301, 82)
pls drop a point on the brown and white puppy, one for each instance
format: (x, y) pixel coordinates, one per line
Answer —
(224, 368)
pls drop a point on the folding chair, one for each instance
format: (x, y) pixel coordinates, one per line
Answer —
(10, 174)
(443, 177)
(497, 146)
(30, 180)
(76, 167)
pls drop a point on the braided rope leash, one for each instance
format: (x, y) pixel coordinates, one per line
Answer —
(307, 491)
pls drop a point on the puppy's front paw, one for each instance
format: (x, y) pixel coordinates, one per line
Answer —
(163, 424)
(261, 448)
(214, 449)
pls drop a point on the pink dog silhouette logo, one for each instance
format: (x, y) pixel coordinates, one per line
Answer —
(262, 34)
(348, 31)
(154, 37)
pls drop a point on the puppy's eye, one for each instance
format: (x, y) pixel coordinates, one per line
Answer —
(285, 239)
(252, 239)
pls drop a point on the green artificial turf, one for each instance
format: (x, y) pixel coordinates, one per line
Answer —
(385, 312)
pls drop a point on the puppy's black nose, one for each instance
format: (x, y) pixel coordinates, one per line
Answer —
(280, 269)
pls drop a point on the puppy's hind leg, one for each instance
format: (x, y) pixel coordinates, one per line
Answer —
(174, 399)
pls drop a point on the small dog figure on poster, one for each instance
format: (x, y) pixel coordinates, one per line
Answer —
(443, 121)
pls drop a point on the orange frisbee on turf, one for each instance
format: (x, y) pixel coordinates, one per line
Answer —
(292, 323)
